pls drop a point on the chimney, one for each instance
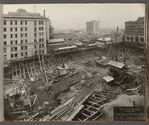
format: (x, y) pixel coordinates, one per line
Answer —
(44, 12)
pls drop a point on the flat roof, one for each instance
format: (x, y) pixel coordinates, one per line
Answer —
(56, 40)
(92, 44)
(104, 39)
(116, 64)
(108, 78)
(68, 47)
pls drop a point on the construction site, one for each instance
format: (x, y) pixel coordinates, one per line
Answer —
(73, 83)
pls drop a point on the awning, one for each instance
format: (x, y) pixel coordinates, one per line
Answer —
(68, 47)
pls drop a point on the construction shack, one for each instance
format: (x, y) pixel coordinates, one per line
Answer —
(107, 80)
(62, 70)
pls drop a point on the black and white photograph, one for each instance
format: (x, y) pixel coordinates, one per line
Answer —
(74, 62)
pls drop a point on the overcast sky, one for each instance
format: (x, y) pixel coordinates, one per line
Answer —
(75, 16)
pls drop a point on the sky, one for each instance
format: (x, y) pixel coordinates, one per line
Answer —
(75, 16)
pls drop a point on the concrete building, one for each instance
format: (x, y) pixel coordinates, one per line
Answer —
(25, 34)
(92, 27)
(134, 30)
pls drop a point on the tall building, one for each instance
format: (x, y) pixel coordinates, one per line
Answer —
(134, 30)
(92, 27)
(25, 34)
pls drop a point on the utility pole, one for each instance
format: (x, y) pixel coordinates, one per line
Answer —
(115, 43)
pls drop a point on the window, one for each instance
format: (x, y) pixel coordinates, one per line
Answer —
(15, 29)
(5, 35)
(5, 57)
(11, 42)
(16, 55)
(15, 48)
(21, 29)
(10, 22)
(34, 23)
(26, 53)
(4, 29)
(25, 28)
(26, 34)
(11, 55)
(21, 35)
(34, 34)
(21, 54)
(15, 22)
(16, 41)
(42, 51)
(35, 40)
(25, 22)
(5, 50)
(21, 41)
(21, 22)
(25, 41)
(16, 35)
(34, 29)
(5, 43)
(34, 46)
(11, 36)
(42, 28)
(4, 22)
(10, 29)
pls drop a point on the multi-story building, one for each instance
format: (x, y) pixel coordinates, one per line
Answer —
(134, 30)
(24, 34)
(92, 27)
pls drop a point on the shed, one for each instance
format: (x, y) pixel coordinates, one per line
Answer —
(116, 64)
(62, 71)
(108, 78)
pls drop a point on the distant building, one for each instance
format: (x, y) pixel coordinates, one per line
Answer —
(134, 30)
(24, 34)
(70, 39)
(92, 27)
(53, 44)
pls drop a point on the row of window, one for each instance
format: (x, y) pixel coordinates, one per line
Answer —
(40, 23)
(15, 29)
(15, 22)
(135, 23)
(40, 40)
(12, 42)
(15, 35)
(40, 28)
(16, 55)
(41, 45)
(40, 34)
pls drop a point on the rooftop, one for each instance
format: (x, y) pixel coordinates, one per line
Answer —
(56, 40)
(108, 78)
(116, 64)
(68, 47)
(23, 13)
(104, 39)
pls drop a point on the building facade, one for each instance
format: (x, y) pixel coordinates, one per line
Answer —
(24, 34)
(134, 30)
(92, 27)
